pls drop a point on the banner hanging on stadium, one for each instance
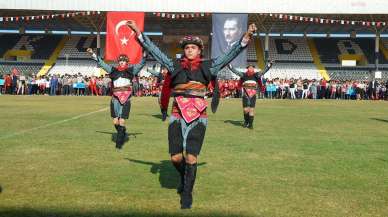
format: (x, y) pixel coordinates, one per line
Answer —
(227, 30)
(120, 39)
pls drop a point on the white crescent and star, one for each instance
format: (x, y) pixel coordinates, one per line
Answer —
(124, 40)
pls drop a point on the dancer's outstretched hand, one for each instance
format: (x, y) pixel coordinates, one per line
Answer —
(251, 29)
(248, 35)
(92, 53)
(90, 50)
(132, 24)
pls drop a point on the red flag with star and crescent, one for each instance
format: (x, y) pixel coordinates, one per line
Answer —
(120, 39)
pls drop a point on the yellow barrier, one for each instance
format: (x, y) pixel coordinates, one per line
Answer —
(17, 53)
(259, 53)
(384, 50)
(54, 56)
(317, 61)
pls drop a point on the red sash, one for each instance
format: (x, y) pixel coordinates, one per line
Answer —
(250, 92)
(123, 95)
(191, 108)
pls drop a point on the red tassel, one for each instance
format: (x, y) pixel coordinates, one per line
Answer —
(166, 91)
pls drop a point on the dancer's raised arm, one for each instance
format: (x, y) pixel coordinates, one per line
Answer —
(235, 71)
(148, 45)
(100, 61)
(268, 66)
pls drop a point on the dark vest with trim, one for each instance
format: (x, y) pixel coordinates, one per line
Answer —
(182, 76)
(254, 77)
(116, 74)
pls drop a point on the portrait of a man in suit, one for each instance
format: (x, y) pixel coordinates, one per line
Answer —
(232, 31)
(227, 30)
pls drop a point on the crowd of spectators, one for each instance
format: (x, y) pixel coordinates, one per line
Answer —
(311, 89)
(71, 85)
(79, 85)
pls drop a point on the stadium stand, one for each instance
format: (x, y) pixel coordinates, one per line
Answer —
(7, 41)
(75, 47)
(330, 49)
(41, 46)
(293, 70)
(251, 53)
(292, 58)
(289, 50)
(23, 67)
(71, 67)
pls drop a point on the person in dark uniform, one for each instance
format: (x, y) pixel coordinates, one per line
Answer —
(120, 104)
(250, 81)
(187, 81)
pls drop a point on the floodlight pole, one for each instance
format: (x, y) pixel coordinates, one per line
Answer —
(377, 50)
(98, 42)
(67, 59)
(266, 47)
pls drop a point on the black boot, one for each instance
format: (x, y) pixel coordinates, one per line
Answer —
(124, 133)
(250, 124)
(117, 127)
(120, 137)
(180, 167)
(246, 120)
(187, 194)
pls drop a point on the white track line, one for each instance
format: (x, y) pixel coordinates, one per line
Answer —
(52, 124)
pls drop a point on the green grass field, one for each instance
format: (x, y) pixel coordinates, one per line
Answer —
(303, 159)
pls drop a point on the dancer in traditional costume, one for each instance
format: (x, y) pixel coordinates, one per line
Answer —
(250, 82)
(120, 104)
(187, 81)
(161, 76)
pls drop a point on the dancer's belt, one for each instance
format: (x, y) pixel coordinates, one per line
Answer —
(189, 103)
(189, 109)
(125, 88)
(249, 85)
(191, 88)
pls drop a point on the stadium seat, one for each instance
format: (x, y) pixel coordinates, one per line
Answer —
(23, 67)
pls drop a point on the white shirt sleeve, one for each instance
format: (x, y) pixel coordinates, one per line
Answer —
(140, 37)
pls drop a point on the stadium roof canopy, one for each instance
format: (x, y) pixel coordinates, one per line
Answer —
(268, 15)
(194, 25)
(210, 6)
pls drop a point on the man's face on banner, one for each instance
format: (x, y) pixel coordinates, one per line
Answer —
(232, 31)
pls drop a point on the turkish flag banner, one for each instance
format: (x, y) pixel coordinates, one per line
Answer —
(120, 39)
